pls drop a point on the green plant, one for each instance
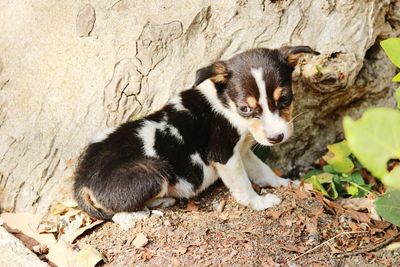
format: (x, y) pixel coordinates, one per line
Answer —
(374, 139)
(340, 177)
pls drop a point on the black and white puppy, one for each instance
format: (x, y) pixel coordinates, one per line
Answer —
(201, 134)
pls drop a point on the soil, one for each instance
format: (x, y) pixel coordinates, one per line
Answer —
(201, 233)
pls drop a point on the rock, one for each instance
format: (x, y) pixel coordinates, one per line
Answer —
(57, 90)
(13, 252)
(140, 241)
(85, 21)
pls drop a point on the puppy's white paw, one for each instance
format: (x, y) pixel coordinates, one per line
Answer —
(265, 202)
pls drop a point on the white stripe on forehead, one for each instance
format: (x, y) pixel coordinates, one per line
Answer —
(258, 76)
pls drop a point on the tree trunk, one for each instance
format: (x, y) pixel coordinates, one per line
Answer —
(68, 70)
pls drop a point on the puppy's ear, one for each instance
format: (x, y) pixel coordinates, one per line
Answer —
(292, 53)
(217, 72)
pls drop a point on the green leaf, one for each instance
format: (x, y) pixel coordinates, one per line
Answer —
(388, 207)
(396, 78)
(353, 185)
(324, 183)
(392, 50)
(375, 138)
(311, 173)
(352, 190)
(338, 157)
(328, 168)
(392, 179)
(397, 96)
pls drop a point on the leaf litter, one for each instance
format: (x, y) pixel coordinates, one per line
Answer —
(212, 229)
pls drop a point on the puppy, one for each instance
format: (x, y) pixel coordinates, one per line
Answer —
(201, 134)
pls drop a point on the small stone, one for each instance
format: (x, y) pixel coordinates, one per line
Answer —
(140, 241)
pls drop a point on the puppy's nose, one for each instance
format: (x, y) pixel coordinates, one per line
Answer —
(275, 139)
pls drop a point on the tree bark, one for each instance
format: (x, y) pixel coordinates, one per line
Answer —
(68, 70)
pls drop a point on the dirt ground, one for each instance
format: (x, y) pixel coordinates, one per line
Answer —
(201, 233)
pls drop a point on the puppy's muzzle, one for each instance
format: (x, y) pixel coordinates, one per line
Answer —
(276, 139)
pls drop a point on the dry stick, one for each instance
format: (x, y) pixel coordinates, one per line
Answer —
(365, 250)
(327, 241)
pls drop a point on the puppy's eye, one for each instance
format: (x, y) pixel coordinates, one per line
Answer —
(285, 100)
(245, 111)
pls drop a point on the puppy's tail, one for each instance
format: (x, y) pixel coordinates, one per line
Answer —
(88, 203)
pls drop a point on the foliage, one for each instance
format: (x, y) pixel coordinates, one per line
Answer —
(339, 178)
(375, 140)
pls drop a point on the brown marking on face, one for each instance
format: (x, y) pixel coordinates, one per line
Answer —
(293, 59)
(251, 101)
(286, 113)
(277, 93)
(220, 73)
(256, 127)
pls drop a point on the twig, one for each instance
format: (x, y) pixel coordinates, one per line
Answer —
(365, 250)
(327, 241)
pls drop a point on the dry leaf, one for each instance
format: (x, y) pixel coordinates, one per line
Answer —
(71, 237)
(191, 206)
(62, 254)
(393, 246)
(88, 256)
(293, 248)
(140, 241)
(27, 224)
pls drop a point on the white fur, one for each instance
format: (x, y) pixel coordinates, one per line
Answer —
(176, 102)
(234, 176)
(148, 134)
(102, 135)
(182, 189)
(209, 173)
(260, 173)
(207, 88)
(175, 133)
(273, 124)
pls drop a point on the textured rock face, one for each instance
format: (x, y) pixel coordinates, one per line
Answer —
(68, 70)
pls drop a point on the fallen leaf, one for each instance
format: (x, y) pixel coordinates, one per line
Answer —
(191, 206)
(62, 255)
(393, 246)
(140, 241)
(88, 256)
(293, 248)
(71, 237)
(27, 224)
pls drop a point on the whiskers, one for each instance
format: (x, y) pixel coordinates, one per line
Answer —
(298, 115)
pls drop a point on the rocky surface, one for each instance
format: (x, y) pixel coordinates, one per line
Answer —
(69, 69)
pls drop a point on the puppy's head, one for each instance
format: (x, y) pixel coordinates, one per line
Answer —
(255, 87)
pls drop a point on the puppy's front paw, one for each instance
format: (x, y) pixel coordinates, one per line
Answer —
(265, 202)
